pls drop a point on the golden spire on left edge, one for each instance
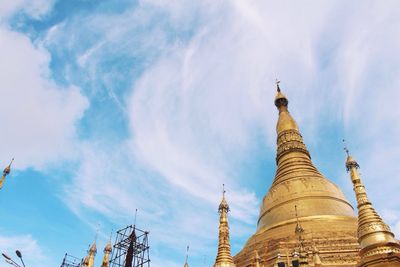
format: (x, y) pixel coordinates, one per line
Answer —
(6, 172)
(224, 257)
(378, 244)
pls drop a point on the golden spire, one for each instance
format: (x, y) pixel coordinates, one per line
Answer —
(92, 254)
(89, 259)
(107, 252)
(289, 137)
(224, 257)
(6, 172)
(377, 241)
(187, 256)
(297, 181)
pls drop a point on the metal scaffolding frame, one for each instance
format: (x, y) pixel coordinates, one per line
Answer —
(131, 245)
(71, 261)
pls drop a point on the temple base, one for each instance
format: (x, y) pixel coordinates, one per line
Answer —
(334, 237)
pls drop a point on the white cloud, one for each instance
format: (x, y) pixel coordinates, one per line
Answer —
(32, 253)
(33, 8)
(38, 117)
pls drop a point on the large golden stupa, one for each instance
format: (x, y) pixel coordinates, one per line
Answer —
(304, 215)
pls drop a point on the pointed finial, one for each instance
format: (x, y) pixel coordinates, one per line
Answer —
(135, 217)
(187, 253)
(223, 190)
(8, 168)
(350, 162)
(97, 233)
(280, 98)
(345, 148)
(277, 85)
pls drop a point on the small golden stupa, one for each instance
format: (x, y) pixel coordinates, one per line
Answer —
(89, 259)
(327, 219)
(379, 247)
(107, 251)
(224, 257)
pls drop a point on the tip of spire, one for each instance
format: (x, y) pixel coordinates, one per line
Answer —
(223, 205)
(278, 89)
(187, 255)
(280, 99)
(7, 170)
(93, 247)
(350, 162)
(345, 148)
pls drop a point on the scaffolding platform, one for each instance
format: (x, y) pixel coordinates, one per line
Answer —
(71, 261)
(131, 248)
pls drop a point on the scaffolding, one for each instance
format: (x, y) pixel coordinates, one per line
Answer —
(131, 248)
(71, 261)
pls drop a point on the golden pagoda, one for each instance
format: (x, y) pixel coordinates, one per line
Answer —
(89, 259)
(379, 247)
(224, 257)
(326, 216)
(107, 252)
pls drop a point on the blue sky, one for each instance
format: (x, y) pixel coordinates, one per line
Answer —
(108, 106)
